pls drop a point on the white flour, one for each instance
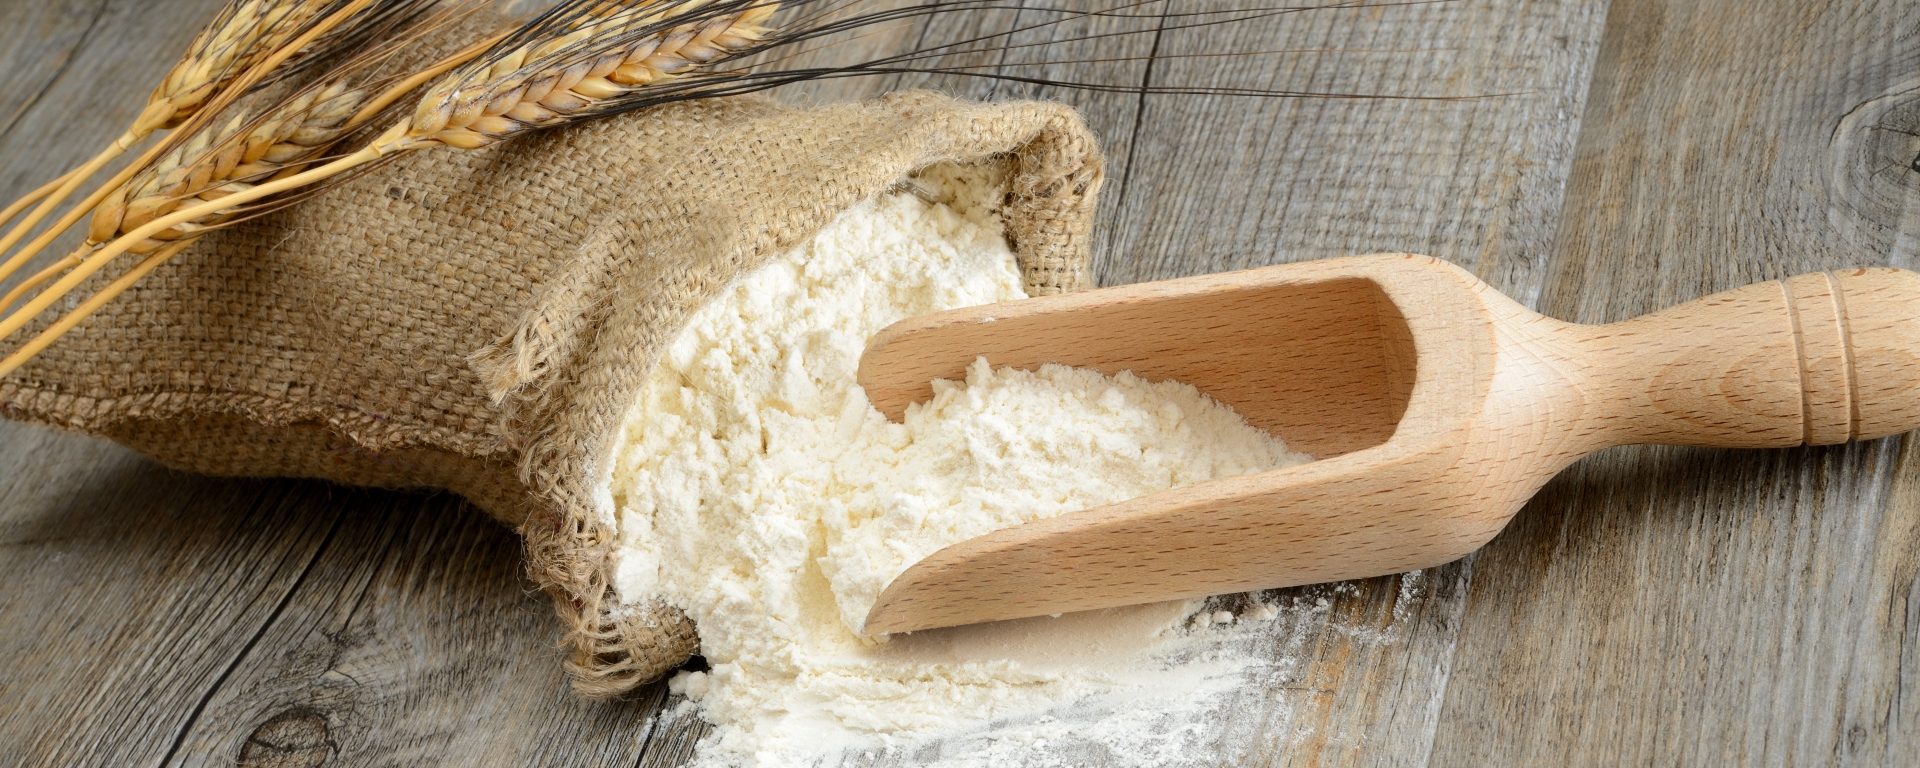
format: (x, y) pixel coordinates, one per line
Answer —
(758, 490)
(1009, 446)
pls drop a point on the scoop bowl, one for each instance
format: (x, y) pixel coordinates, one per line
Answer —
(1434, 407)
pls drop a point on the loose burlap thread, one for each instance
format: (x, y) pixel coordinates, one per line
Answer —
(481, 321)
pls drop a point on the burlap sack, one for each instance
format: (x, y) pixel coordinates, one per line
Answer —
(481, 321)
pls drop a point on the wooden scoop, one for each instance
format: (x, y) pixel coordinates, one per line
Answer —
(1435, 406)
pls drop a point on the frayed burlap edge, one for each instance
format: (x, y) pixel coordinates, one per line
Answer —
(1055, 174)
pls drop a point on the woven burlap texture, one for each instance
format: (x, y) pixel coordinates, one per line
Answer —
(481, 321)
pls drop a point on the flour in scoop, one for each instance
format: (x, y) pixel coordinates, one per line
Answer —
(757, 489)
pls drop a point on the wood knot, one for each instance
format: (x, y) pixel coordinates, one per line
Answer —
(1875, 167)
(295, 738)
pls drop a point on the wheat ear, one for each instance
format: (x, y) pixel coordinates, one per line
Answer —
(247, 41)
(300, 130)
(218, 163)
(242, 34)
(214, 164)
(587, 72)
(609, 54)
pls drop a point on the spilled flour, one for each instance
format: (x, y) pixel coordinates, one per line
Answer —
(756, 488)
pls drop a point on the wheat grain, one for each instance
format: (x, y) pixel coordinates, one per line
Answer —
(213, 164)
(231, 159)
(246, 32)
(243, 34)
(368, 110)
(545, 83)
(599, 58)
(248, 41)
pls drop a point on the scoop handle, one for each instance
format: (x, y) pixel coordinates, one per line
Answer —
(1816, 359)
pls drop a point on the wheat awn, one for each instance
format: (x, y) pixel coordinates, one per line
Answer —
(249, 42)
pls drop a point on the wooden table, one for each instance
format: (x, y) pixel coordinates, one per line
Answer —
(1652, 606)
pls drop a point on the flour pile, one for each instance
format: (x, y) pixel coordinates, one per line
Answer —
(757, 489)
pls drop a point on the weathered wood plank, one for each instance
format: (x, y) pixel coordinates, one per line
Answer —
(1676, 606)
(1229, 183)
(131, 590)
(411, 641)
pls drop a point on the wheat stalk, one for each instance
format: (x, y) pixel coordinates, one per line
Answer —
(214, 163)
(94, 303)
(13, 209)
(242, 33)
(368, 110)
(604, 56)
(248, 42)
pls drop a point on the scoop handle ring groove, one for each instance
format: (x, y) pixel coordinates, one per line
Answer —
(1815, 359)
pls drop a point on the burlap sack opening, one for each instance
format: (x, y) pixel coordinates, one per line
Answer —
(481, 321)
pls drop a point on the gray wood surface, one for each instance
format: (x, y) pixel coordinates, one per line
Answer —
(1652, 606)
(1660, 606)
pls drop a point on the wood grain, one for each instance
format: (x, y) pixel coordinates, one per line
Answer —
(1676, 606)
(132, 591)
(1217, 183)
(1501, 399)
(412, 595)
